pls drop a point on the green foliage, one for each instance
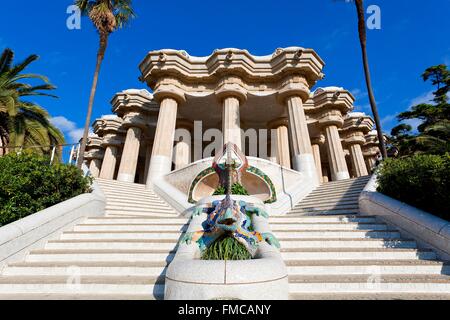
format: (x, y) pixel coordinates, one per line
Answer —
(433, 135)
(226, 248)
(24, 123)
(422, 181)
(236, 189)
(29, 184)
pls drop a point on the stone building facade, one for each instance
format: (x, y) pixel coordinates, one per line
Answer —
(234, 93)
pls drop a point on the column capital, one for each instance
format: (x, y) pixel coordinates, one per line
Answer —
(330, 117)
(293, 86)
(169, 88)
(353, 137)
(112, 140)
(94, 154)
(319, 140)
(231, 87)
(134, 120)
(273, 124)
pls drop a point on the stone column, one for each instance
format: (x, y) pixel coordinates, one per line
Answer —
(325, 173)
(315, 144)
(148, 156)
(161, 161)
(95, 167)
(336, 156)
(130, 155)
(109, 163)
(232, 95)
(357, 160)
(182, 152)
(280, 142)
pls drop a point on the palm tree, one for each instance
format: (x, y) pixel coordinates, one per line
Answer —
(373, 105)
(107, 16)
(23, 123)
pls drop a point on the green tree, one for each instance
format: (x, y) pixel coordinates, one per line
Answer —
(433, 135)
(24, 123)
(363, 42)
(107, 16)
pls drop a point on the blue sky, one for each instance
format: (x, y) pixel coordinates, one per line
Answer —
(413, 36)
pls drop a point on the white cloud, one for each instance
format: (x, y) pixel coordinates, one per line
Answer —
(68, 127)
(423, 98)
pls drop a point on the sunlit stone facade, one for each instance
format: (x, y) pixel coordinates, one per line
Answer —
(263, 104)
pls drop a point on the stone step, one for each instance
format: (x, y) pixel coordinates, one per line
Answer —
(319, 219)
(343, 234)
(369, 296)
(356, 185)
(114, 191)
(325, 194)
(117, 182)
(326, 206)
(348, 243)
(158, 294)
(43, 287)
(134, 220)
(135, 209)
(357, 254)
(345, 201)
(138, 203)
(355, 284)
(129, 227)
(91, 271)
(109, 235)
(122, 213)
(133, 196)
(294, 212)
(329, 226)
(112, 244)
(367, 267)
(99, 255)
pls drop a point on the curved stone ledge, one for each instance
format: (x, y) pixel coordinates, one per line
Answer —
(429, 230)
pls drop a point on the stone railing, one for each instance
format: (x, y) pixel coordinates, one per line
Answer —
(429, 230)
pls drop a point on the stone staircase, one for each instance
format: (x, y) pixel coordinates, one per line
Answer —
(122, 255)
(333, 252)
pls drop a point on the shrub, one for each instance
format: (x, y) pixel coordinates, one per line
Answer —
(236, 189)
(29, 184)
(422, 181)
(226, 248)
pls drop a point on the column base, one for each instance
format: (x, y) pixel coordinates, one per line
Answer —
(343, 175)
(125, 177)
(305, 164)
(159, 166)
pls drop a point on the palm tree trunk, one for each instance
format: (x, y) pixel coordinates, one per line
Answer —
(100, 57)
(373, 105)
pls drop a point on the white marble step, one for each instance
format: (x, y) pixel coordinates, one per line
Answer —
(143, 220)
(325, 207)
(367, 267)
(98, 255)
(324, 234)
(357, 254)
(329, 226)
(300, 211)
(86, 235)
(348, 243)
(133, 197)
(151, 272)
(321, 219)
(111, 244)
(155, 214)
(327, 201)
(370, 284)
(137, 203)
(129, 227)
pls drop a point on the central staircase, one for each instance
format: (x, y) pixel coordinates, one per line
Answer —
(331, 252)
